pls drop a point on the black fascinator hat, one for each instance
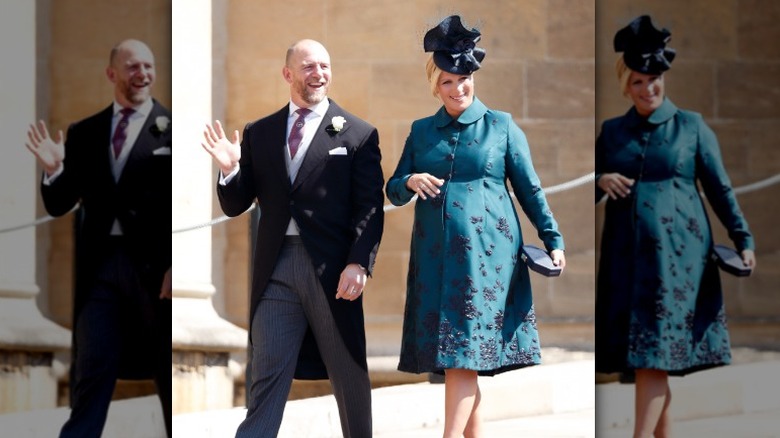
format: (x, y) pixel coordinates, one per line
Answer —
(454, 47)
(644, 47)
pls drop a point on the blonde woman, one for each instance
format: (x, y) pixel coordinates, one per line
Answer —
(469, 310)
(659, 306)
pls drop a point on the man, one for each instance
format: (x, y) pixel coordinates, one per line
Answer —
(117, 163)
(317, 178)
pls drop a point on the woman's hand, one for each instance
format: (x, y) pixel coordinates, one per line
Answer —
(424, 184)
(615, 185)
(558, 258)
(749, 258)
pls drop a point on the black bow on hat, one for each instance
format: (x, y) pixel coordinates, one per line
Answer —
(454, 47)
(644, 47)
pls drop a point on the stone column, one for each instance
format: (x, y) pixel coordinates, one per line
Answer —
(27, 339)
(201, 339)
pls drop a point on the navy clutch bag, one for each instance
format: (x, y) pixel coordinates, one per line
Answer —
(539, 261)
(730, 261)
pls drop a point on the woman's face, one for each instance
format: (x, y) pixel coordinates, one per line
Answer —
(456, 92)
(646, 91)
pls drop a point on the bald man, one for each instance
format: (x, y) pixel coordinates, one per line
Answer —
(315, 172)
(117, 165)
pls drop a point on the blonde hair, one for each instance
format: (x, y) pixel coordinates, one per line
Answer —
(623, 73)
(432, 72)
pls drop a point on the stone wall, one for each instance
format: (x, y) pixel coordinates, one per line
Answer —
(539, 66)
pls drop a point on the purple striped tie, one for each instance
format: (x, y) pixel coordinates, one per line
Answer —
(120, 134)
(296, 133)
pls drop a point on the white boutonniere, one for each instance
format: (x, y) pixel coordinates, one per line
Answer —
(338, 123)
(161, 123)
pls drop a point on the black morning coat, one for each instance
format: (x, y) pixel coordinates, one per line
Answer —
(140, 200)
(336, 201)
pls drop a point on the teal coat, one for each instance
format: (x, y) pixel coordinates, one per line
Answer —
(659, 302)
(468, 302)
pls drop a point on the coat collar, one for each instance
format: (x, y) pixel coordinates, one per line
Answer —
(474, 112)
(143, 109)
(666, 111)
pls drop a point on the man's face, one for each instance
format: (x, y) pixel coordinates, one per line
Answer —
(308, 73)
(132, 72)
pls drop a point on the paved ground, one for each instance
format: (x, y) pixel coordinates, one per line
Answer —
(557, 399)
(738, 401)
(751, 425)
(577, 424)
(552, 400)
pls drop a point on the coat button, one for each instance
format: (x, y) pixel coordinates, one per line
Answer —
(453, 140)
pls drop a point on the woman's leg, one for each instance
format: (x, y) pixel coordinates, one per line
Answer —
(664, 427)
(474, 426)
(461, 396)
(651, 404)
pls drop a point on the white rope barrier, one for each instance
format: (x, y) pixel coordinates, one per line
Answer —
(547, 191)
(758, 185)
(752, 187)
(36, 222)
(212, 222)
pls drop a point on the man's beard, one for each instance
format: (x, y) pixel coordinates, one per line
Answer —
(312, 97)
(136, 96)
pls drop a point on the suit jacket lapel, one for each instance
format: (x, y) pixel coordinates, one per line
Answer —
(278, 145)
(143, 145)
(318, 149)
(103, 146)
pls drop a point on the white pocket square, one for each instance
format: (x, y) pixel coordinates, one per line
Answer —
(162, 151)
(338, 151)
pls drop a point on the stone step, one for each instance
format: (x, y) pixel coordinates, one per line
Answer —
(139, 417)
(542, 390)
(721, 392)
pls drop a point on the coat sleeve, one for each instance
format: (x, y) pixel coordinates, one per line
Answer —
(237, 195)
(396, 189)
(528, 188)
(367, 181)
(599, 164)
(64, 192)
(717, 187)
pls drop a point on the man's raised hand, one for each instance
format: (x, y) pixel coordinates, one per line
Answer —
(225, 153)
(48, 152)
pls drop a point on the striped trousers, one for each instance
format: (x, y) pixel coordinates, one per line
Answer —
(292, 302)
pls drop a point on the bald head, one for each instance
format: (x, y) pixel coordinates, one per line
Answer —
(131, 70)
(304, 47)
(130, 46)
